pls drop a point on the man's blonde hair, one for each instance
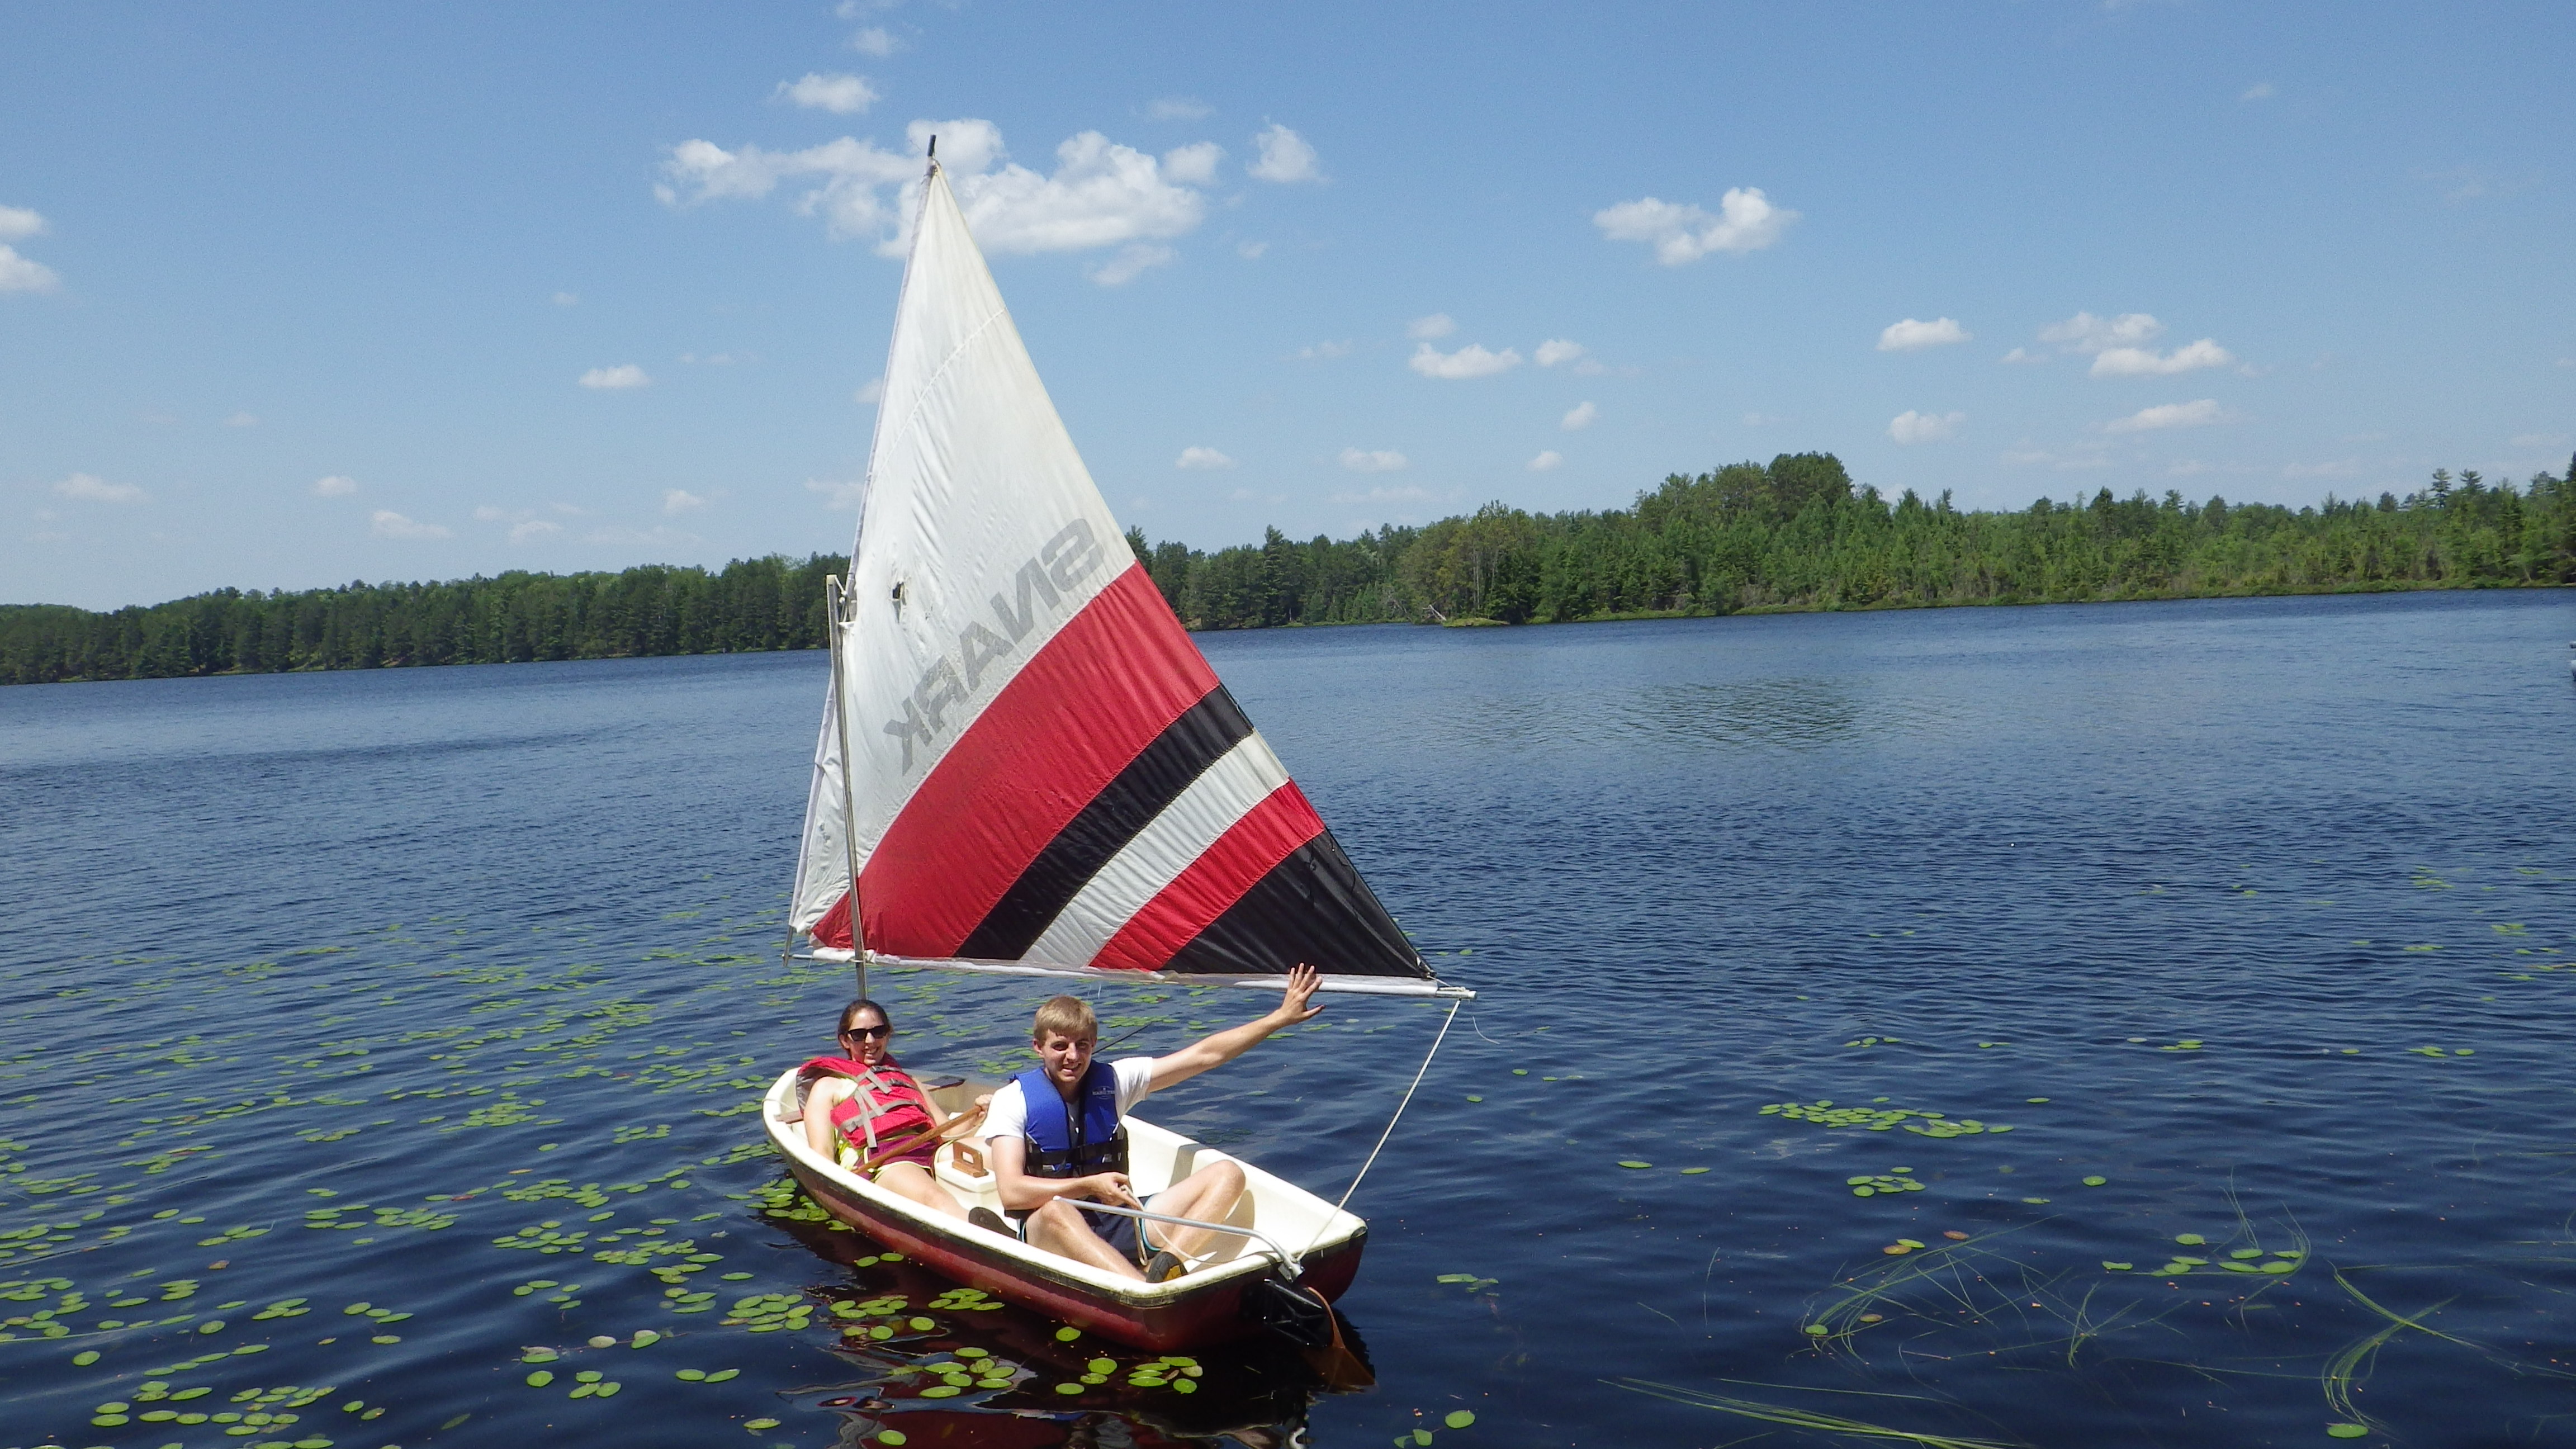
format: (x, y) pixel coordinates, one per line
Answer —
(1065, 1016)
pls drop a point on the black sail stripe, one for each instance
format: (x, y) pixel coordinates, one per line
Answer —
(1312, 907)
(1126, 805)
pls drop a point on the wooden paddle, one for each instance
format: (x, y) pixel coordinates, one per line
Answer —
(949, 1131)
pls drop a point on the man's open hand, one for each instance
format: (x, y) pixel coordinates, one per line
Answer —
(1299, 1004)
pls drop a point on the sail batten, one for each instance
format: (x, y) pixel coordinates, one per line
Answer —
(1025, 757)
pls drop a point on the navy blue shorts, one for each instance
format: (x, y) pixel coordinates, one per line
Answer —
(1116, 1229)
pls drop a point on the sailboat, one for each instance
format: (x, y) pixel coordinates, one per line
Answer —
(1026, 767)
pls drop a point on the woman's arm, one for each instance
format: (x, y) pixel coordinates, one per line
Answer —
(826, 1094)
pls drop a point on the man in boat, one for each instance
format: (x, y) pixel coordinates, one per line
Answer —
(1053, 1137)
(868, 1114)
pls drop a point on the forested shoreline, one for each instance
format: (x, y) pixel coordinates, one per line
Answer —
(1793, 534)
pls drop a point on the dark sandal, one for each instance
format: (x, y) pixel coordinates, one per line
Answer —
(1166, 1266)
(990, 1221)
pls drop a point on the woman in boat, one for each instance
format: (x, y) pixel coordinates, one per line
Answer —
(862, 1108)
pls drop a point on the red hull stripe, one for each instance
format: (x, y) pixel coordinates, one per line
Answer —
(1105, 687)
(1221, 875)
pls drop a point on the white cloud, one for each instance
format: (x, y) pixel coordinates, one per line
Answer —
(1437, 325)
(486, 513)
(24, 274)
(870, 394)
(2024, 354)
(242, 420)
(566, 299)
(622, 376)
(532, 530)
(2259, 91)
(1405, 494)
(1747, 221)
(1323, 352)
(876, 40)
(1757, 420)
(1101, 194)
(2344, 468)
(98, 490)
(1251, 251)
(1471, 360)
(2147, 362)
(1582, 415)
(2540, 440)
(718, 359)
(17, 223)
(1285, 156)
(1913, 336)
(1194, 164)
(842, 95)
(1179, 108)
(1381, 461)
(2085, 332)
(1548, 461)
(1555, 350)
(1913, 427)
(1197, 457)
(1132, 261)
(338, 485)
(388, 524)
(680, 500)
(838, 495)
(2081, 456)
(2198, 414)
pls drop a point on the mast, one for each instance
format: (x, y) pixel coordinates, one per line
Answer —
(835, 607)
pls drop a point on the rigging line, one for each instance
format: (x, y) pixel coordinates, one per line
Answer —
(1445, 1023)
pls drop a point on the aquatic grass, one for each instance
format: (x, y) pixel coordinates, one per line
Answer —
(1808, 1419)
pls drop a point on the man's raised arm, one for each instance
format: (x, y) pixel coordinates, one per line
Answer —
(1226, 1045)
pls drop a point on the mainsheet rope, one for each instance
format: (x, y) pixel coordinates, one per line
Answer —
(1382, 1137)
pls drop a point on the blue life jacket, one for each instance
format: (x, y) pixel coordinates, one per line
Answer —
(1062, 1145)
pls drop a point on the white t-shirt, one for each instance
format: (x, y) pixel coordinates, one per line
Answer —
(1009, 1114)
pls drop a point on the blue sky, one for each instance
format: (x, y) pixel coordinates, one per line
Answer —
(293, 295)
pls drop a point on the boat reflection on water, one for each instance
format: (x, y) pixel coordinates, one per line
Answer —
(992, 1375)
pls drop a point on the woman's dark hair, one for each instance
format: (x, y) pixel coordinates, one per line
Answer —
(850, 1013)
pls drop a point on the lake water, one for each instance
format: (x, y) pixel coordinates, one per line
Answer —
(338, 1005)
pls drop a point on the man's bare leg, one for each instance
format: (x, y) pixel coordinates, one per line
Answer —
(1059, 1228)
(907, 1180)
(1208, 1195)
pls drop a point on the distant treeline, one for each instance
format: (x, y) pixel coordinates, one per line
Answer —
(1796, 534)
(753, 604)
(1792, 534)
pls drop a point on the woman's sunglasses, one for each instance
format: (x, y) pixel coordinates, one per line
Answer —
(867, 1033)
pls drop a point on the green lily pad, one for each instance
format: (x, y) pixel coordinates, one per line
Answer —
(1068, 1388)
(691, 1375)
(1632, 1162)
(1459, 1418)
(1067, 1335)
(2346, 1431)
(1693, 1171)
(85, 1357)
(2096, 1181)
(720, 1375)
(540, 1379)
(890, 1437)
(2190, 1240)
(2117, 1267)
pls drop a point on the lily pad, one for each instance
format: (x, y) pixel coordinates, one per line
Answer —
(1459, 1418)
(1632, 1162)
(2096, 1181)
(540, 1379)
(2346, 1431)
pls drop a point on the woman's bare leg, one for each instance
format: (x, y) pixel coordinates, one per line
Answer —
(908, 1180)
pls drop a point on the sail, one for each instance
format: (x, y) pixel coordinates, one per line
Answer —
(1040, 767)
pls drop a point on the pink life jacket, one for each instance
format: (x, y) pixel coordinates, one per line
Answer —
(885, 1106)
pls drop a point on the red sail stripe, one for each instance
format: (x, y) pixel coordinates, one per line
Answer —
(1265, 836)
(1110, 681)
(834, 928)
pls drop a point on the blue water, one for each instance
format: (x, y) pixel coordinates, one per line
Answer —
(2263, 912)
